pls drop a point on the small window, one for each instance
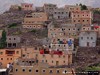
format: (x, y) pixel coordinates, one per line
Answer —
(9, 38)
(30, 70)
(46, 61)
(37, 70)
(82, 38)
(7, 58)
(59, 56)
(58, 71)
(17, 52)
(73, 28)
(10, 58)
(63, 61)
(65, 71)
(36, 55)
(1, 58)
(91, 38)
(64, 56)
(1, 53)
(14, 38)
(23, 55)
(52, 61)
(16, 70)
(51, 71)
(87, 37)
(78, 20)
(78, 15)
(43, 71)
(83, 20)
(43, 55)
(43, 61)
(23, 70)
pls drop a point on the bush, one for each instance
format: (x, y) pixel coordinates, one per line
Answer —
(3, 40)
(12, 25)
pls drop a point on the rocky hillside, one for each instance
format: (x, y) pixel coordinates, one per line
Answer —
(86, 57)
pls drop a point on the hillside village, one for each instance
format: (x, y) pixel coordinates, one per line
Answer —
(50, 40)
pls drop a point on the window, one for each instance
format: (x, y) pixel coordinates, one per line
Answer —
(87, 20)
(10, 58)
(9, 38)
(59, 56)
(46, 61)
(17, 52)
(63, 61)
(51, 71)
(81, 38)
(52, 61)
(83, 20)
(43, 71)
(74, 20)
(62, 12)
(78, 15)
(36, 55)
(30, 70)
(42, 60)
(16, 70)
(1, 53)
(73, 28)
(7, 58)
(1, 58)
(14, 38)
(65, 71)
(37, 70)
(43, 55)
(91, 38)
(78, 20)
(87, 37)
(64, 56)
(23, 70)
(23, 55)
(64, 45)
(58, 71)
(83, 28)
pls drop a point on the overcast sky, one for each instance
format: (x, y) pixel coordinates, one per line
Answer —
(5, 4)
(63, 2)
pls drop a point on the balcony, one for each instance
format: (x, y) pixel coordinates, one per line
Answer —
(10, 52)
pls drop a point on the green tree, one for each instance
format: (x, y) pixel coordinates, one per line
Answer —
(83, 7)
(3, 40)
(80, 4)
